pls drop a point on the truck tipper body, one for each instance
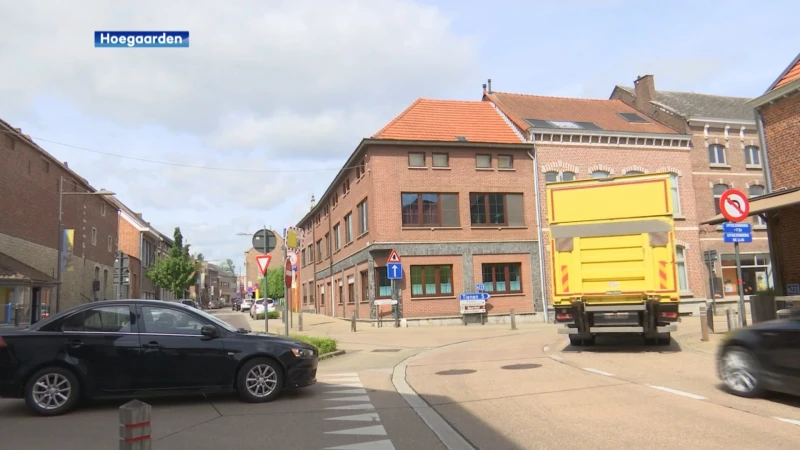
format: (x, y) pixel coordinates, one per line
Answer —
(612, 257)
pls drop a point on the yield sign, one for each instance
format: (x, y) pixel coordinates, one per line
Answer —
(734, 205)
(393, 258)
(263, 263)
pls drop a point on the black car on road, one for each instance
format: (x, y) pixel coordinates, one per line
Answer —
(762, 357)
(133, 348)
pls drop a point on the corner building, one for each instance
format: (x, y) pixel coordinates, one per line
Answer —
(447, 184)
(585, 138)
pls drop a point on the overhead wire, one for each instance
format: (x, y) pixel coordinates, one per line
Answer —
(174, 164)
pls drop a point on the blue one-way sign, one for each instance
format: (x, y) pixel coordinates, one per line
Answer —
(737, 232)
(474, 296)
(394, 271)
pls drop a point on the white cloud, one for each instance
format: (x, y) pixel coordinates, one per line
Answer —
(266, 85)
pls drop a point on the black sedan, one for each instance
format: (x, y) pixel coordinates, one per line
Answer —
(133, 348)
(763, 357)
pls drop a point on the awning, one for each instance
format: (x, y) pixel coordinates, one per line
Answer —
(16, 273)
(764, 203)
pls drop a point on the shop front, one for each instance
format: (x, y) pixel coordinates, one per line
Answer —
(25, 293)
(756, 273)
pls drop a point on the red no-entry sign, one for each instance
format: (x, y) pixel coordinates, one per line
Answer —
(734, 205)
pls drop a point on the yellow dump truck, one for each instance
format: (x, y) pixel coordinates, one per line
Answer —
(612, 257)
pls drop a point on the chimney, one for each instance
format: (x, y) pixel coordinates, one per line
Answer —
(645, 87)
(313, 201)
(490, 86)
(484, 88)
(66, 164)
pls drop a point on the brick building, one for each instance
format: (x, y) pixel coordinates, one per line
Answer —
(582, 138)
(449, 186)
(29, 231)
(778, 114)
(725, 154)
(143, 245)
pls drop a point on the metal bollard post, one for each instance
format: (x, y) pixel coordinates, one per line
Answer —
(513, 320)
(703, 324)
(729, 319)
(710, 318)
(300, 320)
(353, 322)
(134, 426)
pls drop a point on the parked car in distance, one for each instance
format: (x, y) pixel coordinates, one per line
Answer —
(762, 357)
(213, 304)
(246, 304)
(187, 302)
(130, 348)
(258, 307)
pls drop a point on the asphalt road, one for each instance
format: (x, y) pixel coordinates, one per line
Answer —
(537, 392)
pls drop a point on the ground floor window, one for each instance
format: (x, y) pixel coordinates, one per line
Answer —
(364, 286)
(499, 278)
(383, 285)
(431, 281)
(351, 291)
(680, 263)
(756, 273)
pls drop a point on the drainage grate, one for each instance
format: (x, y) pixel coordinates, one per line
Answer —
(386, 350)
(521, 366)
(456, 372)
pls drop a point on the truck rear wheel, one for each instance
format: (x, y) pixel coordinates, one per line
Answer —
(663, 339)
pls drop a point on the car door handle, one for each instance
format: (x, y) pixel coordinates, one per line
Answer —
(153, 345)
(75, 343)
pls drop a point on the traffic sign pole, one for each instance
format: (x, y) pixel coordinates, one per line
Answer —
(734, 206)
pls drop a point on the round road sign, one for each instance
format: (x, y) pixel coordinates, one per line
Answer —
(287, 273)
(264, 241)
(292, 257)
(734, 205)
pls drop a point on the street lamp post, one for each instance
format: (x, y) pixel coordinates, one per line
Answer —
(61, 194)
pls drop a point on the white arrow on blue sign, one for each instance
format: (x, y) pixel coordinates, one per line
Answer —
(394, 271)
(474, 296)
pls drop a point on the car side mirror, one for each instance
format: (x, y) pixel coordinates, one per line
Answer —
(209, 331)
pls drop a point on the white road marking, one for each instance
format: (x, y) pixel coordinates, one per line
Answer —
(368, 417)
(340, 380)
(349, 385)
(385, 444)
(374, 430)
(342, 374)
(547, 349)
(556, 357)
(355, 398)
(358, 406)
(346, 391)
(791, 421)
(449, 437)
(677, 392)
(599, 372)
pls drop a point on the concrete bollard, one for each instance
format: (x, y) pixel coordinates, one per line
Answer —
(703, 324)
(134, 426)
(300, 320)
(513, 320)
(729, 318)
(353, 322)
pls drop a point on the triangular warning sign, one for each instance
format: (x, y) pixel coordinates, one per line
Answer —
(393, 258)
(263, 263)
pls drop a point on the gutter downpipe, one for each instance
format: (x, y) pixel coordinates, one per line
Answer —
(542, 278)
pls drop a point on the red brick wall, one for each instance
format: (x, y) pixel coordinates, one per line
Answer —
(29, 202)
(128, 238)
(782, 134)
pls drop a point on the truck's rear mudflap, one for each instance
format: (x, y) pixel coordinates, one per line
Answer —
(653, 319)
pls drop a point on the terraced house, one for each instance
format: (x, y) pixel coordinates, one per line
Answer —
(725, 153)
(449, 186)
(584, 138)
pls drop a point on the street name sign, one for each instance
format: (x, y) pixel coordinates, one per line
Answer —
(737, 232)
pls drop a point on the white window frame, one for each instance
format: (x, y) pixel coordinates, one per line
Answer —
(724, 153)
(759, 220)
(607, 174)
(680, 264)
(677, 210)
(559, 175)
(717, 197)
(749, 152)
(94, 236)
(110, 243)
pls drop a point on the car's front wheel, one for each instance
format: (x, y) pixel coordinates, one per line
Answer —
(52, 391)
(741, 372)
(260, 380)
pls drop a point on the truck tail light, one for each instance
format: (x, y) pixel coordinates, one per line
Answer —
(2, 342)
(669, 315)
(563, 316)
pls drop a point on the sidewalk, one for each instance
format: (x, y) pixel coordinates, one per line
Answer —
(689, 334)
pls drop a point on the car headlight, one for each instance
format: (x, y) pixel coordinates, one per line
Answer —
(303, 352)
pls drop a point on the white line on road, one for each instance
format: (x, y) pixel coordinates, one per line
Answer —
(599, 372)
(339, 380)
(355, 398)
(374, 430)
(347, 391)
(449, 436)
(342, 374)
(677, 392)
(556, 357)
(547, 349)
(791, 421)
(343, 385)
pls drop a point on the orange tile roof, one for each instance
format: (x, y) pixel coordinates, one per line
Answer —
(603, 113)
(792, 73)
(444, 120)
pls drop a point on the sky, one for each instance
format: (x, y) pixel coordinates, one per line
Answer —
(261, 111)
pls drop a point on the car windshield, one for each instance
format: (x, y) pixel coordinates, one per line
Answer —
(216, 320)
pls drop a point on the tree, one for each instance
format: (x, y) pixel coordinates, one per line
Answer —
(275, 284)
(228, 266)
(199, 257)
(177, 271)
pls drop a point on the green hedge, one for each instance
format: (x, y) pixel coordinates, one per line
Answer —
(272, 315)
(324, 345)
